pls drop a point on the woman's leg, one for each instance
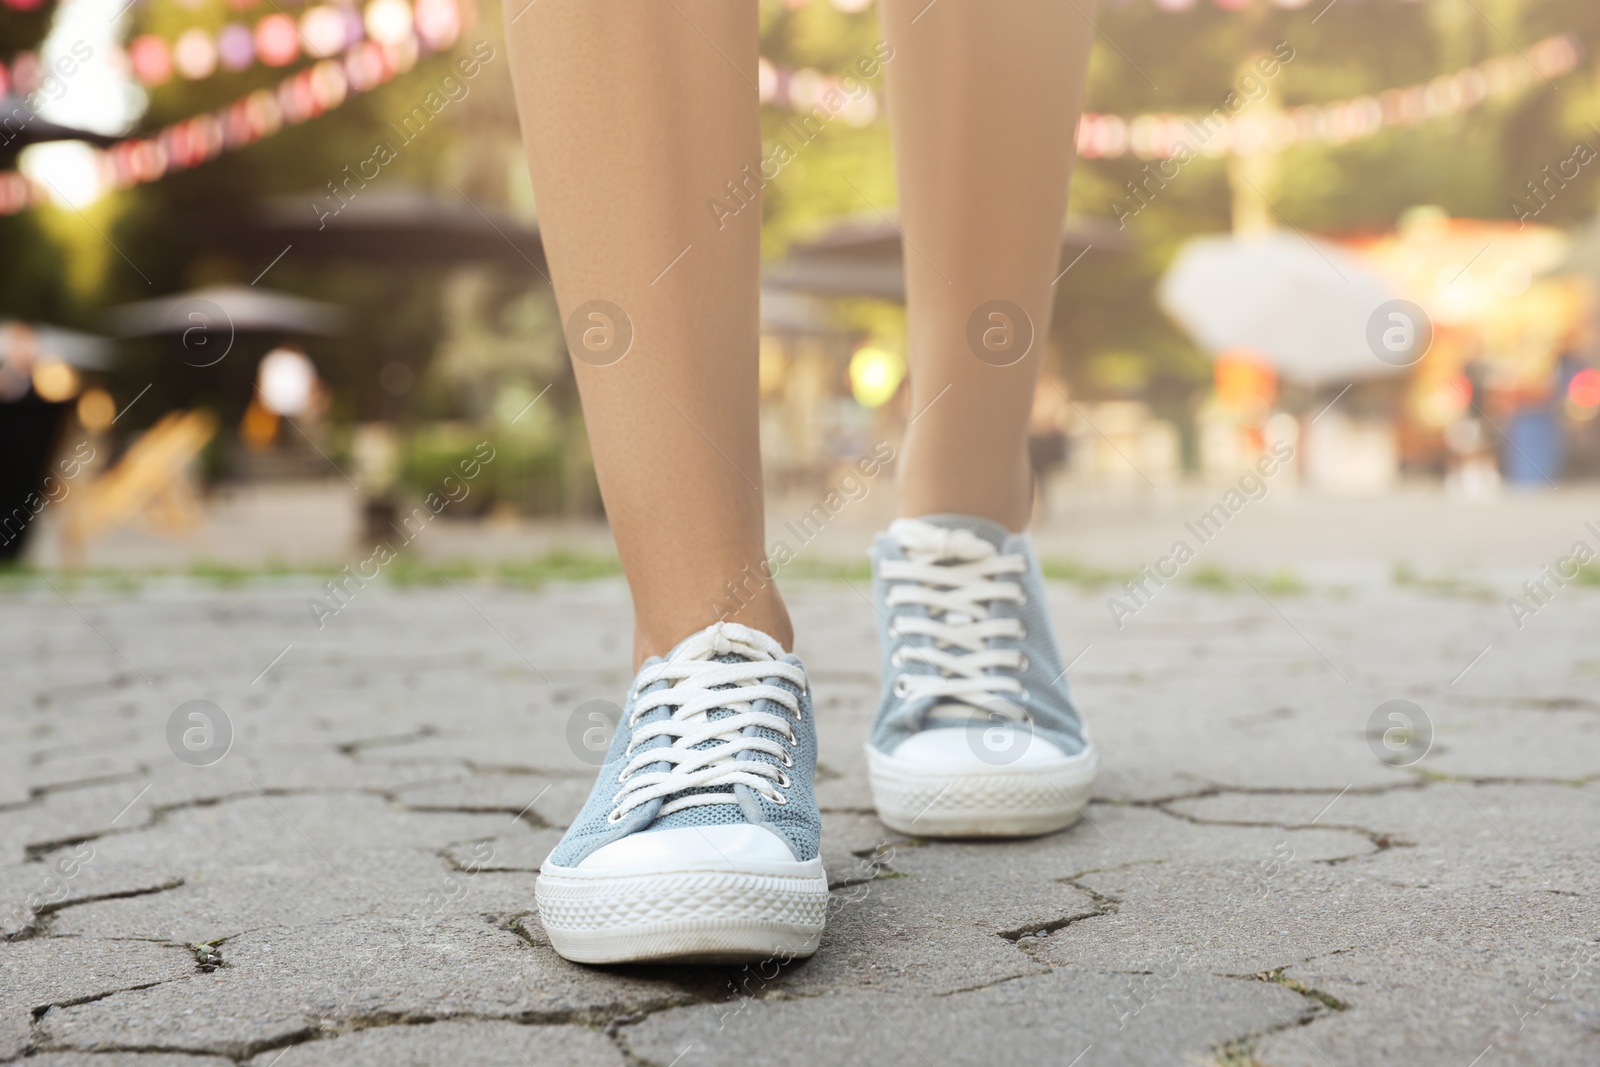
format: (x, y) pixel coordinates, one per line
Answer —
(983, 99)
(635, 115)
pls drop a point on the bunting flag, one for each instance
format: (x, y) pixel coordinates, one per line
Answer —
(321, 32)
(1246, 132)
(393, 32)
(298, 98)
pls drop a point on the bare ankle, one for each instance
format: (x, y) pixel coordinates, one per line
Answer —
(1007, 501)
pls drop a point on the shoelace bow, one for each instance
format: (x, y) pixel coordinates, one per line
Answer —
(700, 683)
(956, 575)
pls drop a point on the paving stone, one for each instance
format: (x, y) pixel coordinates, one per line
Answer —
(910, 932)
(303, 766)
(1481, 840)
(69, 815)
(278, 860)
(517, 851)
(512, 793)
(283, 985)
(483, 1044)
(1253, 880)
(15, 1027)
(856, 847)
(52, 770)
(561, 803)
(844, 713)
(1432, 955)
(39, 972)
(1512, 741)
(124, 1059)
(1432, 1003)
(1241, 918)
(69, 877)
(1043, 1018)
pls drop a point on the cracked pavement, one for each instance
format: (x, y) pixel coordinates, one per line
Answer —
(352, 883)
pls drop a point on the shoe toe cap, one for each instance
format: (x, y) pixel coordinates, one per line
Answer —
(979, 748)
(689, 848)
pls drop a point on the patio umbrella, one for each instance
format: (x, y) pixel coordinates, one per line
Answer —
(227, 308)
(1302, 303)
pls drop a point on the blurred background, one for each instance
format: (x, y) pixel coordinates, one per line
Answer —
(270, 274)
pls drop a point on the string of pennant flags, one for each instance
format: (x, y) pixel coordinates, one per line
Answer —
(1164, 135)
(322, 30)
(856, 6)
(390, 43)
(182, 145)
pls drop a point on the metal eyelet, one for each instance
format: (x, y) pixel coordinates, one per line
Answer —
(901, 686)
(614, 818)
(787, 761)
(1025, 664)
(784, 781)
(778, 798)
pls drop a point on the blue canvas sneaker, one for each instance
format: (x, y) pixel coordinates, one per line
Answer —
(976, 733)
(700, 839)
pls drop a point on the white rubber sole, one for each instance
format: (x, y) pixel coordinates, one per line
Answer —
(981, 801)
(693, 916)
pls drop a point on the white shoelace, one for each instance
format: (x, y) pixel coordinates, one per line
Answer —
(955, 575)
(695, 673)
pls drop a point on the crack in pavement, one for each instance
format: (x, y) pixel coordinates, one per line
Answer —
(1022, 936)
(38, 793)
(617, 1021)
(1276, 975)
(526, 771)
(1218, 789)
(1583, 704)
(326, 1026)
(991, 983)
(353, 748)
(40, 1010)
(1240, 1051)
(1381, 839)
(34, 852)
(1430, 777)
(1046, 929)
(39, 921)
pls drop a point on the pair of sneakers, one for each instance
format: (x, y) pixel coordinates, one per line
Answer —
(700, 841)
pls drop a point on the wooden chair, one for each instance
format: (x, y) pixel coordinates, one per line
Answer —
(148, 486)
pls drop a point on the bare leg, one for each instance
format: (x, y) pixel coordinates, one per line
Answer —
(983, 97)
(635, 115)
